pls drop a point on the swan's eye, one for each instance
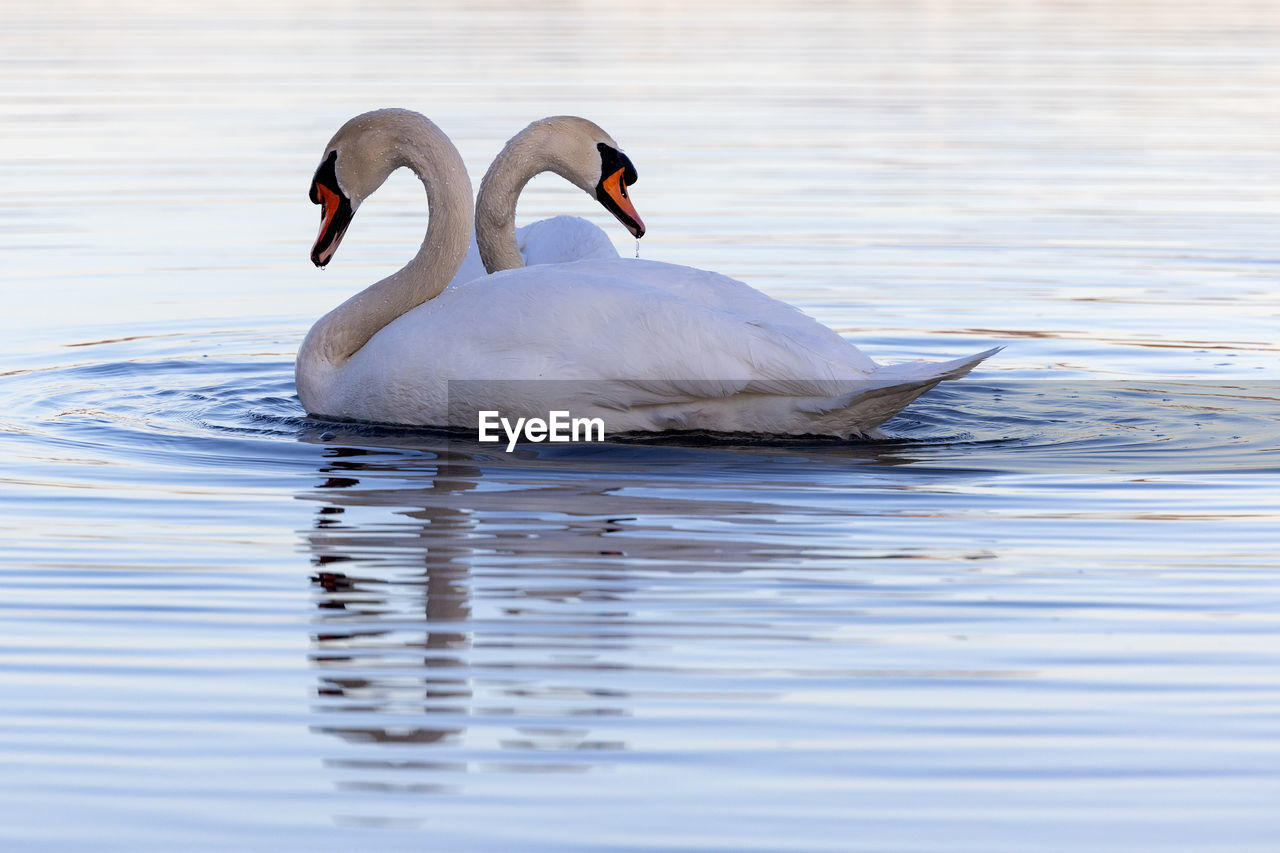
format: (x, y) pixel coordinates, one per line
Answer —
(612, 160)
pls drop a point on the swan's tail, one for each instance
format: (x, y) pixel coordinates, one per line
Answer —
(932, 371)
(889, 390)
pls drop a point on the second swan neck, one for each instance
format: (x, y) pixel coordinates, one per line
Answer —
(548, 145)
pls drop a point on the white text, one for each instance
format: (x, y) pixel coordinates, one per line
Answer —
(558, 426)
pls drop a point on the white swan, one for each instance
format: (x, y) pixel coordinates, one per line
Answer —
(648, 346)
(559, 239)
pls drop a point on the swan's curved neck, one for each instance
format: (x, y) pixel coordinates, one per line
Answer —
(538, 148)
(425, 149)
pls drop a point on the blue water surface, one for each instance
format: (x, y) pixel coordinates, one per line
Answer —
(1041, 614)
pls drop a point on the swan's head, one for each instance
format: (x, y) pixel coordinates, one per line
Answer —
(356, 161)
(574, 148)
(580, 151)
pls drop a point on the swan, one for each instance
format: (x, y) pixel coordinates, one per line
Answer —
(644, 345)
(556, 240)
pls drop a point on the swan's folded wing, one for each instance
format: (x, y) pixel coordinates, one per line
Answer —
(803, 361)
(645, 334)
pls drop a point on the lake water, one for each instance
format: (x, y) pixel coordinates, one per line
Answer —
(1042, 615)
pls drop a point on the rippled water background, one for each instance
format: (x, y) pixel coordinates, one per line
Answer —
(1043, 615)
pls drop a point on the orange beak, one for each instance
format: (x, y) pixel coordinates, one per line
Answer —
(621, 206)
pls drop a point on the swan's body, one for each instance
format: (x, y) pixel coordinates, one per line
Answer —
(647, 345)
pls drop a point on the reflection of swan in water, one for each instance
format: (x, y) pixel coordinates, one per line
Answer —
(354, 610)
(463, 593)
(402, 586)
(676, 348)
